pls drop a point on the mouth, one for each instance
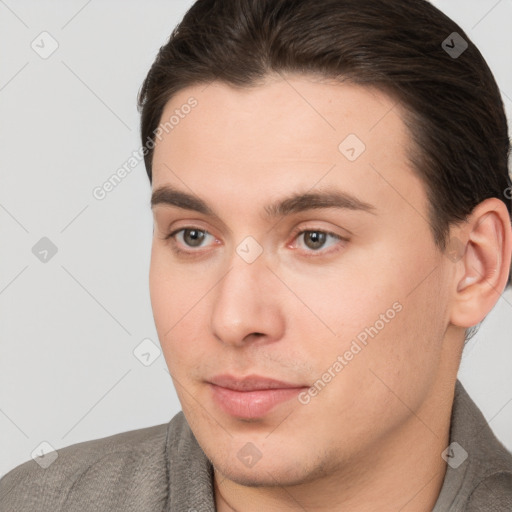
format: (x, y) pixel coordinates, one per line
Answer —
(253, 396)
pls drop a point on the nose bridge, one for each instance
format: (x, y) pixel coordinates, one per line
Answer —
(244, 303)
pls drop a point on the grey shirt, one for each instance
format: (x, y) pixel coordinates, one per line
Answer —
(163, 469)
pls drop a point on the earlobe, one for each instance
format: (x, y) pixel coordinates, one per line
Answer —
(484, 264)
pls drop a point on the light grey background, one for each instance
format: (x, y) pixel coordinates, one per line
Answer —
(69, 326)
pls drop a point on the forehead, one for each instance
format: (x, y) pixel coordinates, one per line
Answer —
(292, 131)
(284, 112)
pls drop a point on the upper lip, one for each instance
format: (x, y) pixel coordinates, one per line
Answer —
(251, 383)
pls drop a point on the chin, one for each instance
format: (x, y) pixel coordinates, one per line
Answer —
(268, 473)
(261, 477)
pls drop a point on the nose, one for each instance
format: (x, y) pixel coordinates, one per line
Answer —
(246, 306)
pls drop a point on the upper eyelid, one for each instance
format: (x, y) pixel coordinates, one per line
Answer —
(300, 231)
(298, 218)
(185, 228)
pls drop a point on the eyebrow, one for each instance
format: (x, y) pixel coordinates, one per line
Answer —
(299, 202)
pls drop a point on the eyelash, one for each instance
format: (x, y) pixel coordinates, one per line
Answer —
(311, 253)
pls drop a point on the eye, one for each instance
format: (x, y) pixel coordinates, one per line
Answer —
(190, 237)
(312, 240)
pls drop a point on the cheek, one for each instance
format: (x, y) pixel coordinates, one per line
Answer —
(385, 303)
(338, 301)
(403, 359)
(160, 288)
(178, 302)
(173, 290)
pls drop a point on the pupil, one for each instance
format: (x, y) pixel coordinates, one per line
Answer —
(316, 238)
(193, 237)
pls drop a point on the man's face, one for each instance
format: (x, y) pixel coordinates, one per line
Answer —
(331, 299)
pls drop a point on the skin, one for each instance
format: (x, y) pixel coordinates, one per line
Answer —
(372, 438)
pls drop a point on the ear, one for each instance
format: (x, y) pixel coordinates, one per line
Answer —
(484, 246)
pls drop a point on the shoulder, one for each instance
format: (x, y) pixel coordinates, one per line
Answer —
(129, 467)
(493, 493)
(484, 480)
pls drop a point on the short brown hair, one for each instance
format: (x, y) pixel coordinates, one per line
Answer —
(452, 103)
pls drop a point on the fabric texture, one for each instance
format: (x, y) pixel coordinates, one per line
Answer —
(163, 469)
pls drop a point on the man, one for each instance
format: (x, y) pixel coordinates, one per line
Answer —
(330, 190)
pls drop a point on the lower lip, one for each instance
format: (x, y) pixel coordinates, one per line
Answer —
(251, 404)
